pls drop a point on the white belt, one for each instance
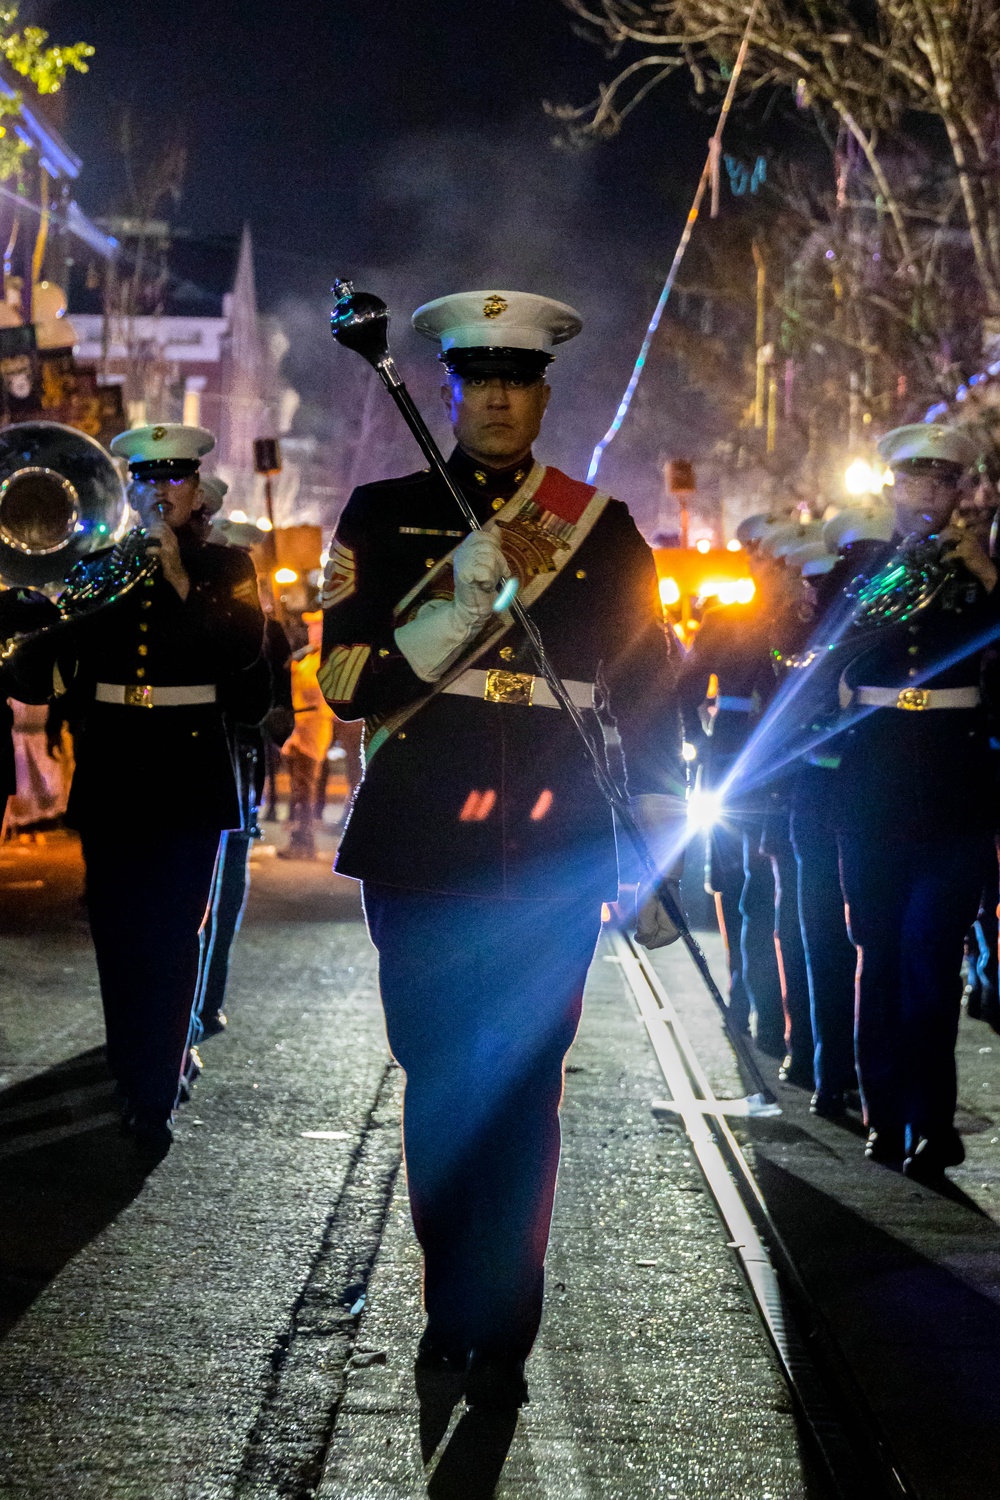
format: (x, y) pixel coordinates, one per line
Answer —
(917, 698)
(517, 687)
(138, 695)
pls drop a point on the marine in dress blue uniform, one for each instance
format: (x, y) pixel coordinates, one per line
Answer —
(143, 684)
(916, 800)
(734, 645)
(849, 538)
(231, 881)
(483, 844)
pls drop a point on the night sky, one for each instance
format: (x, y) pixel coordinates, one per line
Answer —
(404, 142)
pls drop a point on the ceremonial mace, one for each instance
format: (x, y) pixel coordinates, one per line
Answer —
(360, 321)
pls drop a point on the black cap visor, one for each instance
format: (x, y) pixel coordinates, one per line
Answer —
(936, 468)
(163, 468)
(497, 364)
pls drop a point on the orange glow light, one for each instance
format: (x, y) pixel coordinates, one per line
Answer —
(542, 806)
(477, 807)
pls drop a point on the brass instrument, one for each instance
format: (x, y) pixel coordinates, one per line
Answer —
(61, 500)
(919, 573)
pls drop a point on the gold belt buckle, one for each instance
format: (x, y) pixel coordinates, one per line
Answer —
(138, 695)
(914, 698)
(509, 687)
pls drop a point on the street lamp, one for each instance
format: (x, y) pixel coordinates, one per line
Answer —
(864, 478)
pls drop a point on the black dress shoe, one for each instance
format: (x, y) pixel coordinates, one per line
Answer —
(153, 1138)
(887, 1146)
(214, 1025)
(828, 1104)
(495, 1382)
(439, 1381)
(193, 1069)
(932, 1154)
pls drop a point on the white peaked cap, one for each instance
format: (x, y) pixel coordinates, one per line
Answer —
(875, 524)
(162, 443)
(215, 491)
(810, 558)
(752, 528)
(492, 320)
(781, 537)
(930, 440)
(819, 565)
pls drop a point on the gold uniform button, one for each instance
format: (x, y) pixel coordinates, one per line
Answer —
(401, 735)
(143, 650)
(479, 477)
(147, 603)
(383, 651)
(507, 653)
(497, 504)
(140, 672)
(428, 562)
(913, 650)
(581, 572)
(143, 626)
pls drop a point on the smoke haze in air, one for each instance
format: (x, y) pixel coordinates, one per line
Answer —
(451, 211)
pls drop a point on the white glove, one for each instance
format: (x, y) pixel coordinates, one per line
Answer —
(653, 927)
(442, 628)
(479, 565)
(663, 822)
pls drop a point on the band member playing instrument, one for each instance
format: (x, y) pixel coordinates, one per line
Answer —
(483, 844)
(917, 803)
(154, 784)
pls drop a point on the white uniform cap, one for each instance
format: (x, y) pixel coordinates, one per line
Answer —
(819, 565)
(238, 533)
(752, 528)
(497, 320)
(170, 444)
(780, 537)
(810, 558)
(856, 525)
(214, 490)
(954, 445)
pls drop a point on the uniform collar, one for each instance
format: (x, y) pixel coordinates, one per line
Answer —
(480, 482)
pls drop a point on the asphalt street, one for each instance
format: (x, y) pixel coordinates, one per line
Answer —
(240, 1322)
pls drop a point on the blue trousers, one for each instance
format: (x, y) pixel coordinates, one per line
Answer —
(910, 905)
(482, 1000)
(230, 888)
(147, 892)
(831, 958)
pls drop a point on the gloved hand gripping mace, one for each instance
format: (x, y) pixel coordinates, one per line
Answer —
(360, 321)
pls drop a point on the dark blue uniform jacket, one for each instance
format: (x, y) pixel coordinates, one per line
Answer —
(495, 799)
(171, 765)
